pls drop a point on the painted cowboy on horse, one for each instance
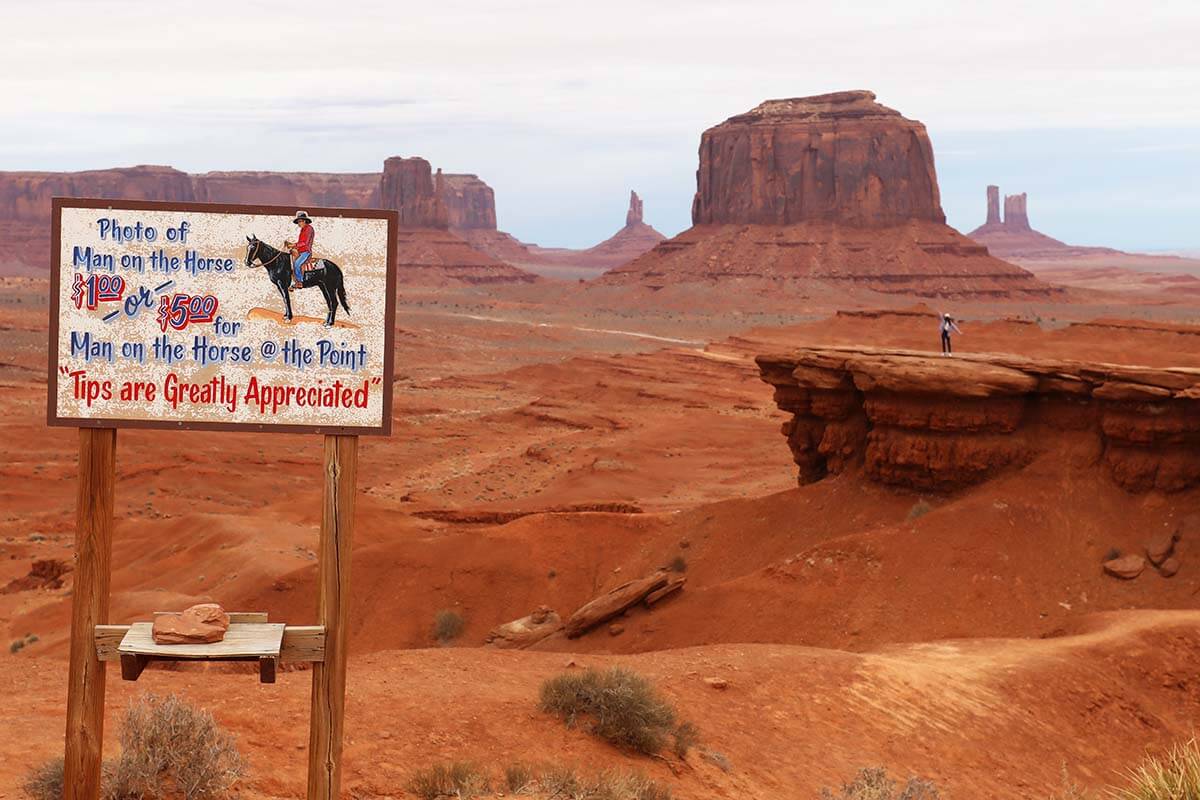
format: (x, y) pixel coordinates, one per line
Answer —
(301, 249)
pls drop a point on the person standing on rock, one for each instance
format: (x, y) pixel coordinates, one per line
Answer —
(947, 326)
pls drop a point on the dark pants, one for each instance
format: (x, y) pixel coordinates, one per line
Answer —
(946, 342)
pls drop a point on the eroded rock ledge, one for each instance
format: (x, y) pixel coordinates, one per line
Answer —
(918, 420)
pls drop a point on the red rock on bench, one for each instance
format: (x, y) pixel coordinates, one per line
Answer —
(201, 624)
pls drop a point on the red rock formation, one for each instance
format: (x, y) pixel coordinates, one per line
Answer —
(634, 215)
(932, 423)
(407, 185)
(339, 190)
(634, 239)
(1014, 238)
(993, 205)
(838, 157)
(1015, 216)
(834, 188)
(470, 203)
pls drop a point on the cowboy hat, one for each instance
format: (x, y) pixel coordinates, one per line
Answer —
(302, 215)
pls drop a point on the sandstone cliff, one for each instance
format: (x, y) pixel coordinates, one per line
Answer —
(408, 186)
(834, 188)
(470, 203)
(925, 422)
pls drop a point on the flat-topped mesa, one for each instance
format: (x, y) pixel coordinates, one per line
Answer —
(837, 157)
(920, 421)
(408, 186)
(828, 193)
(634, 215)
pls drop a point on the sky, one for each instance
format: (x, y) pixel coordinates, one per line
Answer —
(1093, 108)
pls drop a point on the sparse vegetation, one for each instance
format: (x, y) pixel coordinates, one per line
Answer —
(448, 625)
(459, 779)
(45, 782)
(678, 564)
(686, 737)
(565, 783)
(1175, 775)
(621, 706)
(919, 509)
(170, 748)
(874, 784)
(719, 759)
(518, 776)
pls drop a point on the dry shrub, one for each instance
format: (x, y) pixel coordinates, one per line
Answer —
(45, 782)
(518, 776)
(562, 783)
(459, 779)
(874, 784)
(171, 748)
(686, 737)
(447, 625)
(1173, 776)
(622, 706)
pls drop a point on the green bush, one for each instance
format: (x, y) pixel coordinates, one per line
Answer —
(621, 706)
(448, 625)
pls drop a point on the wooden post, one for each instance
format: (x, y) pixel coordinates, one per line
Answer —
(89, 608)
(329, 676)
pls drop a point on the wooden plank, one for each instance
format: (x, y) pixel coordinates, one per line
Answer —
(89, 608)
(301, 643)
(242, 640)
(327, 718)
(108, 639)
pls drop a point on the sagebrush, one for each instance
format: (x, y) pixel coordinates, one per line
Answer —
(459, 779)
(448, 624)
(170, 748)
(873, 783)
(618, 705)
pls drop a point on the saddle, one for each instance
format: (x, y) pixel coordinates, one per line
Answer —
(313, 276)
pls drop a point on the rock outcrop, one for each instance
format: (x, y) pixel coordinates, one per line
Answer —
(631, 241)
(939, 424)
(1013, 237)
(526, 631)
(470, 203)
(601, 609)
(408, 186)
(993, 205)
(834, 188)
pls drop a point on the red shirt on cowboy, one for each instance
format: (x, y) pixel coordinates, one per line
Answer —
(304, 244)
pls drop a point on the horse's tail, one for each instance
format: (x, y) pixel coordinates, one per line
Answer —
(341, 292)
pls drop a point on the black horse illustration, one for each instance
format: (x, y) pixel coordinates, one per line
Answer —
(278, 263)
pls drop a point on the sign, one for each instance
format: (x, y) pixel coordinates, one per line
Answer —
(184, 315)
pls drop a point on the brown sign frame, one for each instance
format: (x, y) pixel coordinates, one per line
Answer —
(57, 204)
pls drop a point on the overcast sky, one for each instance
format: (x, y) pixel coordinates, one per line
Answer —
(1091, 107)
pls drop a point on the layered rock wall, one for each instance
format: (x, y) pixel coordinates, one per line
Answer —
(838, 157)
(470, 203)
(408, 186)
(941, 424)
